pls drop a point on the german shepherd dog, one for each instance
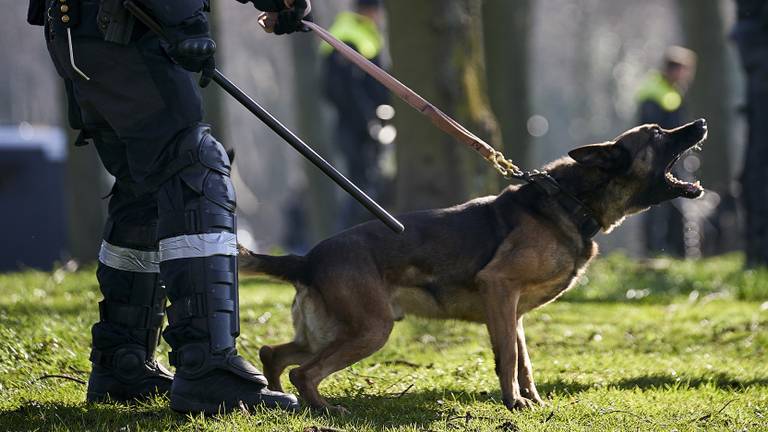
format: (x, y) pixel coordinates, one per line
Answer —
(489, 260)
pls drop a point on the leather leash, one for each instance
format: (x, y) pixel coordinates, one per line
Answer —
(444, 122)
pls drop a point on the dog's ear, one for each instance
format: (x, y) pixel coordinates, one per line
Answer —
(607, 156)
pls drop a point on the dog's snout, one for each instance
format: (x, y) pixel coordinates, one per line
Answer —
(694, 130)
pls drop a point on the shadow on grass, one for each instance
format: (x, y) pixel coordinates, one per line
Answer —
(720, 381)
(51, 415)
(418, 408)
(26, 310)
(656, 382)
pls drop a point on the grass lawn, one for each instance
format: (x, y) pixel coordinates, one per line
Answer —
(662, 345)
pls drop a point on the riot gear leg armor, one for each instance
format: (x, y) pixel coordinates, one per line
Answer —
(198, 261)
(132, 312)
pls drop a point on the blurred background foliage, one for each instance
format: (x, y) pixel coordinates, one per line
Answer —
(534, 78)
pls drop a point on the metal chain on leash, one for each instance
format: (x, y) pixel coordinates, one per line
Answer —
(505, 166)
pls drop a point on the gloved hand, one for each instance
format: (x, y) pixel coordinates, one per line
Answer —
(196, 55)
(191, 47)
(288, 19)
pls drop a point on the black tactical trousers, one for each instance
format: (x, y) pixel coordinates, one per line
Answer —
(142, 112)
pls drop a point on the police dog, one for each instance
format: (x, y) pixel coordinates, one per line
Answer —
(489, 260)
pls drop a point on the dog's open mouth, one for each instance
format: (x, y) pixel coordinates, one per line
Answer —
(683, 188)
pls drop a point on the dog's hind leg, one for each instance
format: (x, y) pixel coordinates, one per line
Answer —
(276, 358)
(524, 367)
(343, 352)
(349, 319)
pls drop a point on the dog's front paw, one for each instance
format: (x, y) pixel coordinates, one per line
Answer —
(518, 403)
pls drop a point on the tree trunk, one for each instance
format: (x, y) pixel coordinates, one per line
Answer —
(506, 25)
(437, 49)
(704, 33)
(752, 41)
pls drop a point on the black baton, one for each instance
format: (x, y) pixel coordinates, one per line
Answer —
(281, 130)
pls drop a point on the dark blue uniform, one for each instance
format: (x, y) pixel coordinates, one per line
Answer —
(171, 228)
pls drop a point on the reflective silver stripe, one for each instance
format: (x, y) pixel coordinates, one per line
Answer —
(198, 245)
(126, 259)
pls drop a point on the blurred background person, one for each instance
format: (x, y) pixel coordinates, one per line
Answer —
(751, 36)
(357, 99)
(661, 96)
(661, 101)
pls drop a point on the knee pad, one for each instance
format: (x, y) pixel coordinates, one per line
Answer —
(199, 198)
(209, 177)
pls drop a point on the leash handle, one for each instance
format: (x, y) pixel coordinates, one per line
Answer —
(440, 119)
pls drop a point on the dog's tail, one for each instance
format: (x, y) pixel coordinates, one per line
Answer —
(290, 268)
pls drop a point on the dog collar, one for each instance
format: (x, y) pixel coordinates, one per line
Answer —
(580, 214)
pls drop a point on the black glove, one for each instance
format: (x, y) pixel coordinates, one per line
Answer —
(289, 20)
(196, 55)
(191, 47)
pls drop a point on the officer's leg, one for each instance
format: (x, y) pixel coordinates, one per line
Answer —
(198, 262)
(132, 311)
(151, 103)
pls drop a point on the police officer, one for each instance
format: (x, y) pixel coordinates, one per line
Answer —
(356, 96)
(171, 226)
(661, 96)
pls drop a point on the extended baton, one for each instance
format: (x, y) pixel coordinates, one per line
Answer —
(280, 130)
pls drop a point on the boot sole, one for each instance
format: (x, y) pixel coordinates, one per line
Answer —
(184, 405)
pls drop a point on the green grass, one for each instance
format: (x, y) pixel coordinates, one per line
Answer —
(661, 345)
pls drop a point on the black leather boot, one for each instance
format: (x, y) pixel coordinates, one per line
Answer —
(125, 338)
